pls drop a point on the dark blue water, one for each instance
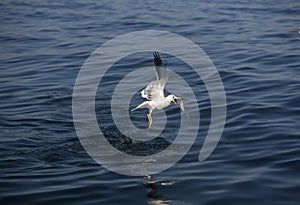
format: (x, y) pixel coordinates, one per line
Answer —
(255, 46)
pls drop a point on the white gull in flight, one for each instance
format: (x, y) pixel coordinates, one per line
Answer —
(154, 92)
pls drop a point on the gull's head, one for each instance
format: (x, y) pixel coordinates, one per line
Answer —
(173, 98)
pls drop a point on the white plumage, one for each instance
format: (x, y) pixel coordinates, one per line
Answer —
(154, 92)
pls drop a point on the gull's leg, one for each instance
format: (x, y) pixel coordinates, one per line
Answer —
(146, 105)
(149, 118)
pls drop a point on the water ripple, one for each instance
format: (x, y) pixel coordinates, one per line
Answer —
(254, 45)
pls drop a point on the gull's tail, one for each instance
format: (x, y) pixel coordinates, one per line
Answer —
(134, 109)
(142, 105)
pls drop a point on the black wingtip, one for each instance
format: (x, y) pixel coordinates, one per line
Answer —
(157, 60)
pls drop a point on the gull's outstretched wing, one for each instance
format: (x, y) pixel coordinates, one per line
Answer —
(154, 91)
(161, 71)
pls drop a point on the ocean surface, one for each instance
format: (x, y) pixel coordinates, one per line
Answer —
(255, 46)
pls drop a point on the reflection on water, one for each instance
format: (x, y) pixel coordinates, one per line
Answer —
(154, 197)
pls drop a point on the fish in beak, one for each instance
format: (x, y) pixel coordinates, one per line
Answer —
(179, 104)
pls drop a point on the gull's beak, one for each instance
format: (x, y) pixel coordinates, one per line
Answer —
(175, 102)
